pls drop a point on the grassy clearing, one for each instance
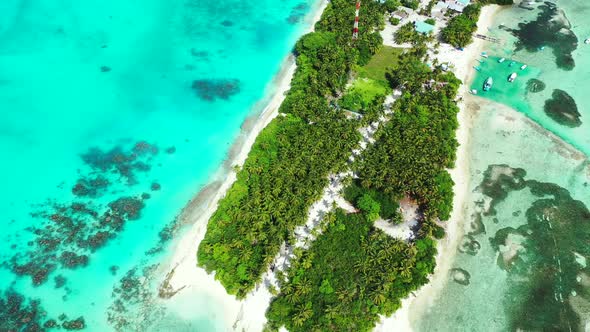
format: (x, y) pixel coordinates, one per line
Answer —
(362, 93)
(387, 57)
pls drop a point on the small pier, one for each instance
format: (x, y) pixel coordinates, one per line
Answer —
(488, 38)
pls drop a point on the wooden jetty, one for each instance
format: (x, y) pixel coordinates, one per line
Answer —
(488, 38)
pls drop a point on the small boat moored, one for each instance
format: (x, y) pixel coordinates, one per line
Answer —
(587, 41)
(523, 67)
(512, 64)
(501, 60)
(473, 91)
(512, 77)
(487, 85)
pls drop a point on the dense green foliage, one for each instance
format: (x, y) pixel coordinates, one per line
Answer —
(350, 275)
(388, 204)
(364, 96)
(460, 29)
(353, 272)
(407, 34)
(288, 165)
(413, 150)
(391, 5)
(413, 4)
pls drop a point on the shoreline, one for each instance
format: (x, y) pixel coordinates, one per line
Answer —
(418, 304)
(179, 272)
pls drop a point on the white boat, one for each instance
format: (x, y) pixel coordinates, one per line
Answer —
(484, 55)
(587, 41)
(523, 67)
(501, 60)
(473, 91)
(487, 85)
(512, 77)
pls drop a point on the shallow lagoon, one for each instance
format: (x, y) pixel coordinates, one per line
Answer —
(527, 257)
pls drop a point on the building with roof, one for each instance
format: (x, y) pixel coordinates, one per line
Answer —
(400, 14)
(423, 27)
(458, 5)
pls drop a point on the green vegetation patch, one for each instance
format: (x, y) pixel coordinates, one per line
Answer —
(389, 207)
(407, 34)
(380, 64)
(413, 150)
(459, 31)
(288, 166)
(363, 93)
(350, 275)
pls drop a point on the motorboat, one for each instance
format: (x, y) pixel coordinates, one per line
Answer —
(587, 41)
(487, 85)
(501, 60)
(512, 64)
(523, 67)
(477, 68)
(473, 91)
(512, 77)
(484, 55)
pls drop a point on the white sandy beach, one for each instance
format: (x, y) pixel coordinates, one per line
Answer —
(194, 282)
(462, 62)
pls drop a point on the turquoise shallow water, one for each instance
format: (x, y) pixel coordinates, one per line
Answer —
(523, 261)
(108, 100)
(542, 65)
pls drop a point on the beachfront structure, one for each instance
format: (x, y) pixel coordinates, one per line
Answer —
(439, 7)
(400, 14)
(423, 27)
(457, 5)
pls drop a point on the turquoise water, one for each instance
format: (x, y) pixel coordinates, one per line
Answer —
(526, 242)
(542, 63)
(108, 100)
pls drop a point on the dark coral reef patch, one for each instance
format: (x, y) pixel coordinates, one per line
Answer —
(212, 89)
(551, 29)
(547, 264)
(66, 235)
(534, 85)
(18, 313)
(562, 109)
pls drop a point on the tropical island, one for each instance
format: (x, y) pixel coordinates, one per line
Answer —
(337, 209)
